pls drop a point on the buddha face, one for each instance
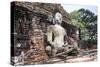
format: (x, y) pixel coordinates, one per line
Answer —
(58, 18)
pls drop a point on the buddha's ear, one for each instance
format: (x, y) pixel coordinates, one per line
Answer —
(53, 21)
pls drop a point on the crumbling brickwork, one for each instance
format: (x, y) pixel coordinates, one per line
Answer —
(30, 28)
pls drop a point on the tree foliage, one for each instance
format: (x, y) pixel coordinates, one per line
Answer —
(87, 22)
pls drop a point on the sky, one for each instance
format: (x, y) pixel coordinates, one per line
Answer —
(71, 8)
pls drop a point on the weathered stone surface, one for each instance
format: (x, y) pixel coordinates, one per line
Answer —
(45, 8)
(30, 28)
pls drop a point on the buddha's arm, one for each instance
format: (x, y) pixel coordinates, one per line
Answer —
(49, 34)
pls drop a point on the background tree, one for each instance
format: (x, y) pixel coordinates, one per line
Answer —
(86, 21)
